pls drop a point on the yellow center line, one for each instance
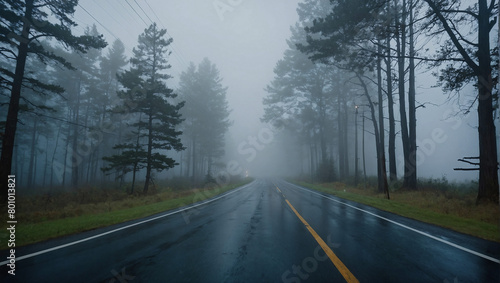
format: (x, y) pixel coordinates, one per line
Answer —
(348, 276)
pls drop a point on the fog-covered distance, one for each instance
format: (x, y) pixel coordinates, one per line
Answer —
(245, 39)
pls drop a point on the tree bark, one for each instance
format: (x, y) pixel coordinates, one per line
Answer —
(150, 149)
(341, 138)
(32, 155)
(382, 176)
(54, 157)
(488, 190)
(311, 153)
(412, 119)
(346, 144)
(488, 163)
(363, 145)
(401, 49)
(356, 169)
(380, 160)
(75, 159)
(15, 97)
(393, 176)
(322, 115)
(194, 159)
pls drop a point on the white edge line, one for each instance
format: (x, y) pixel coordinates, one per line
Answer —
(407, 227)
(123, 228)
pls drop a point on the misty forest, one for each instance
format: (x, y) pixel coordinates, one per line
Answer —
(79, 110)
(112, 111)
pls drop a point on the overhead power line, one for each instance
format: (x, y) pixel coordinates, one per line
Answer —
(103, 26)
(133, 9)
(106, 11)
(176, 53)
(143, 11)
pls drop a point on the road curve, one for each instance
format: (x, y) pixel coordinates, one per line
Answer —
(267, 231)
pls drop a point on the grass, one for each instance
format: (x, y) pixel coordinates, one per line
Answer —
(52, 216)
(435, 203)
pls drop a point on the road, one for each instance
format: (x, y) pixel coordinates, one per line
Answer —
(266, 231)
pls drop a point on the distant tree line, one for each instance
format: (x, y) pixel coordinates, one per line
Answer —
(366, 53)
(76, 115)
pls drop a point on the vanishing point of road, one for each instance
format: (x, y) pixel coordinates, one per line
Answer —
(265, 231)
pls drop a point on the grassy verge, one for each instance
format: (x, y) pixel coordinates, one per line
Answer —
(48, 224)
(442, 208)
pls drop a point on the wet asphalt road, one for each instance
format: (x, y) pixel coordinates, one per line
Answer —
(251, 234)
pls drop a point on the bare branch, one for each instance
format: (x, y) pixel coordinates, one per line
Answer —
(384, 55)
(492, 5)
(470, 13)
(452, 36)
(465, 161)
(461, 36)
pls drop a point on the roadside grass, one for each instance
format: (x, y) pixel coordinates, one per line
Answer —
(59, 215)
(442, 206)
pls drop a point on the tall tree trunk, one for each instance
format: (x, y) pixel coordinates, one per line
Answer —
(188, 160)
(54, 157)
(17, 164)
(311, 154)
(87, 156)
(117, 141)
(21, 173)
(15, 97)
(364, 160)
(150, 151)
(194, 159)
(412, 120)
(401, 50)
(380, 161)
(75, 159)
(134, 171)
(488, 190)
(345, 143)
(46, 162)
(341, 139)
(488, 163)
(68, 140)
(301, 158)
(322, 121)
(136, 163)
(356, 169)
(393, 176)
(32, 154)
(381, 145)
(34, 172)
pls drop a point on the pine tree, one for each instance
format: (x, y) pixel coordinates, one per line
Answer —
(148, 102)
(473, 51)
(206, 114)
(350, 37)
(22, 25)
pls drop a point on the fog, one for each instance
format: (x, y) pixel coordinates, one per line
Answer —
(245, 40)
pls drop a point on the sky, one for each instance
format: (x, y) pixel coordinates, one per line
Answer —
(245, 39)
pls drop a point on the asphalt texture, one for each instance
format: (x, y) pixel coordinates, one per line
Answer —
(252, 234)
